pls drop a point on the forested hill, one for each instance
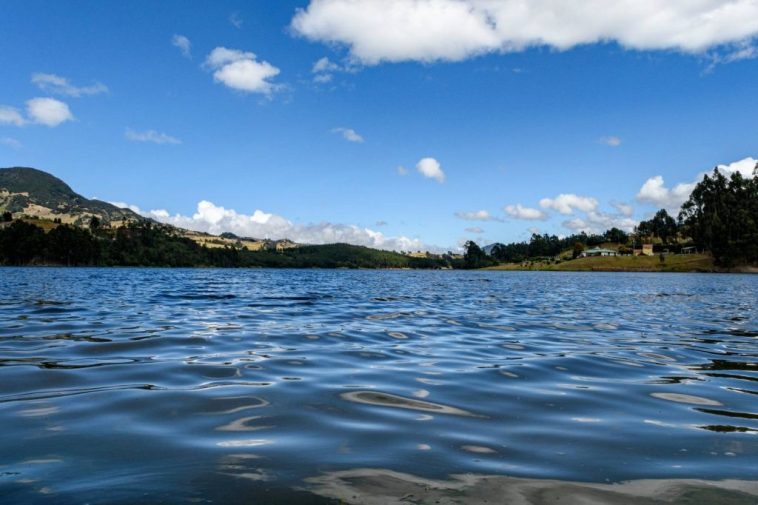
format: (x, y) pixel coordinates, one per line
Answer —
(32, 192)
(44, 222)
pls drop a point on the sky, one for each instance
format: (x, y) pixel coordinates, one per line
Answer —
(398, 124)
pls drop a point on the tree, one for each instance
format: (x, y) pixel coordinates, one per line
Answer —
(578, 249)
(94, 223)
(721, 215)
(7, 217)
(662, 225)
(474, 257)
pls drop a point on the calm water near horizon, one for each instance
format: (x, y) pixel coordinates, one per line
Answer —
(205, 385)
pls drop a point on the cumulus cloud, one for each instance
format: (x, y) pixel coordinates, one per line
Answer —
(348, 134)
(214, 219)
(10, 142)
(58, 85)
(474, 229)
(477, 215)
(11, 115)
(611, 141)
(623, 208)
(520, 212)
(567, 203)
(453, 30)
(654, 190)
(150, 136)
(599, 222)
(745, 167)
(48, 111)
(184, 45)
(241, 70)
(431, 168)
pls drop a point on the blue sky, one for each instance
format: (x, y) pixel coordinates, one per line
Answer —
(163, 105)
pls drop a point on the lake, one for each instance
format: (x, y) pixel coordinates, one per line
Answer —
(308, 386)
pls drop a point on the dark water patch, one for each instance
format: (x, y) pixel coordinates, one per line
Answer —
(232, 386)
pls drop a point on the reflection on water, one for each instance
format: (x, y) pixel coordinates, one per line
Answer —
(130, 385)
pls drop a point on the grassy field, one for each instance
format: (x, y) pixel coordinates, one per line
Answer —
(671, 263)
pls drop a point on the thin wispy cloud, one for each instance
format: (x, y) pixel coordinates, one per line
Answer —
(10, 142)
(236, 20)
(150, 136)
(11, 116)
(611, 141)
(348, 134)
(476, 215)
(57, 85)
(184, 45)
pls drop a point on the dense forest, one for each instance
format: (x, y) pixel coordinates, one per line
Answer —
(147, 244)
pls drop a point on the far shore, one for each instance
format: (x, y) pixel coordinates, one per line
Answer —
(686, 263)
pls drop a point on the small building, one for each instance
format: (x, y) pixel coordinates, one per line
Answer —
(646, 250)
(598, 251)
(689, 250)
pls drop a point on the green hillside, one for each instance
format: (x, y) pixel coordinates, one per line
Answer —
(21, 187)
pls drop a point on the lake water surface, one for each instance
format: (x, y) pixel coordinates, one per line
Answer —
(259, 386)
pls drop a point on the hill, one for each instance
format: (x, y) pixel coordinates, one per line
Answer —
(31, 192)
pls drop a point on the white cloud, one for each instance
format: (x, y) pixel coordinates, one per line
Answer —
(474, 229)
(744, 50)
(599, 222)
(453, 30)
(533, 230)
(214, 219)
(520, 212)
(567, 203)
(236, 20)
(241, 70)
(10, 142)
(150, 136)
(184, 45)
(324, 69)
(124, 205)
(11, 115)
(744, 166)
(324, 65)
(58, 85)
(48, 111)
(477, 215)
(611, 141)
(654, 190)
(624, 209)
(401, 170)
(429, 167)
(348, 134)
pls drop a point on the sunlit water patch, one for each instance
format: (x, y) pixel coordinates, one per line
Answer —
(130, 385)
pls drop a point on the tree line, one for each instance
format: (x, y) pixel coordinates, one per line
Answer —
(720, 216)
(147, 244)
